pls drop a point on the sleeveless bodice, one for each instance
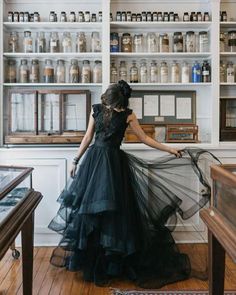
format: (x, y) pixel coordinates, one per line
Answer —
(112, 132)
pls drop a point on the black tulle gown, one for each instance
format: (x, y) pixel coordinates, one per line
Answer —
(114, 214)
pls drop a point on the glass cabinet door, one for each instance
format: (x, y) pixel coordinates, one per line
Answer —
(231, 113)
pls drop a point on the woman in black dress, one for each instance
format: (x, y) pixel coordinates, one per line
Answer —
(114, 212)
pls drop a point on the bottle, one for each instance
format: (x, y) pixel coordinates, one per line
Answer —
(114, 42)
(138, 45)
(186, 17)
(54, 42)
(151, 42)
(48, 74)
(60, 76)
(164, 72)
(66, 42)
(222, 72)
(40, 42)
(93, 18)
(203, 41)
(153, 72)
(126, 43)
(95, 42)
(24, 71)
(52, 16)
(87, 16)
(21, 17)
(164, 43)
(72, 17)
(113, 73)
(11, 71)
(13, 42)
(178, 42)
(97, 72)
(196, 73)
(134, 73)
(230, 73)
(34, 71)
(63, 17)
(143, 72)
(123, 74)
(175, 73)
(28, 42)
(10, 16)
(74, 72)
(206, 72)
(190, 41)
(86, 72)
(185, 73)
(81, 42)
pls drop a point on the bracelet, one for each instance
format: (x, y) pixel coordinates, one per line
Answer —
(75, 161)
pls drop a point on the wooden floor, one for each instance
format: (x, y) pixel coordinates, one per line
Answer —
(55, 281)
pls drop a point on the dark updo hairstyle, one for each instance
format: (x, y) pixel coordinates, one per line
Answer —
(117, 95)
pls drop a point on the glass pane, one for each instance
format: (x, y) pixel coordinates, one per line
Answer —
(231, 113)
(75, 112)
(7, 176)
(22, 112)
(49, 113)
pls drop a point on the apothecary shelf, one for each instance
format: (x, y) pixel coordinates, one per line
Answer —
(53, 84)
(54, 55)
(52, 25)
(163, 54)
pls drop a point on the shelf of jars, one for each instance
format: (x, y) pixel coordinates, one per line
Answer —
(52, 25)
(90, 55)
(163, 54)
(170, 84)
(53, 84)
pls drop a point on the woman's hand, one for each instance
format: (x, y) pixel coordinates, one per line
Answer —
(73, 170)
(175, 152)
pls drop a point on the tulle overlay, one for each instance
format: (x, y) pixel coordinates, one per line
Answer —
(116, 216)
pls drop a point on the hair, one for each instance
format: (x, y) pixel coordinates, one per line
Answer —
(117, 95)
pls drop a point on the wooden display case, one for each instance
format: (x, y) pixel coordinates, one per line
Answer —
(131, 137)
(180, 133)
(47, 116)
(228, 119)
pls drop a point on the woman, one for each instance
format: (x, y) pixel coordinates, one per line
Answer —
(113, 215)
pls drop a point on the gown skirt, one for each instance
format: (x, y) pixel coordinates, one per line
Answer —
(117, 215)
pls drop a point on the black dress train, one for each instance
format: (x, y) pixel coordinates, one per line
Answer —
(113, 215)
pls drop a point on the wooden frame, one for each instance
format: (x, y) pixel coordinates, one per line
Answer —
(226, 133)
(182, 133)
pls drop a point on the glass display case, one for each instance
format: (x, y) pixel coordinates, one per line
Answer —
(228, 119)
(47, 116)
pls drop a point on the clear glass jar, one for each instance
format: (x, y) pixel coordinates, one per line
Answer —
(81, 17)
(123, 73)
(66, 42)
(54, 44)
(63, 17)
(97, 72)
(164, 43)
(60, 75)
(175, 73)
(34, 71)
(164, 72)
(230, 73)
(190, 41)
(206, 72)
(13, 42)
(95, 42)
(113, 73)
(222, 72)
(152, 42)
(178, 42)
(28, 42)
(24, 71)
(114, 42)
(48, 73)
(126, 43)
(153, 72)
(222, 42)
(87, 16)
(86, 72)
(40, 42)
(72, 17)
(143, 72)
(185, 78)
(81, 42)
(203, 41)
(11, 71)
(134, 73)
(232, 41)
(138, 43)
(74, 71)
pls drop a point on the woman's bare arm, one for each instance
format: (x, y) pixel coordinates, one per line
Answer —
(134, 124)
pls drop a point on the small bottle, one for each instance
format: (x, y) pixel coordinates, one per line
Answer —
(164, 43)
(222, 72)
(153, 72)
(230, 73)
(133, 17)
(222, 42)
(87, 16)
(178, 42)
(143, 72)
(192, 16)
(159, 17)
(185, 78)
(81, 17)
(60, 75)
(126, 43)
(134, 73)
(81, 42)
(114, 42)
(28, 42)
(21, 17)
(54, 42)
(154, 16)
(123, 16)
(224, 16)
(199, 16)
(175, 73)
(138, 43)
(176, 17)
(111, 17)
(36, 17)
(72, 17)
(31, 19)
(11, 71)
(206, 72)
(166, 17)
(34, 71)
(40, 42)
(118, 16)
(74, 72)
(113, 73)
(123, 73)
(13, 42)
(149, 16)
(128, 16)
(151, 42)
(95, 42)
(86, 72)
(203, 41)
(164, 72)
(24, 71)
(48, 74)
(190, 41)
(139, 17)
(26, 17)
(206, 17)
(52, 17)
(144, 16)
(66, 42)
(16, 17)
(196, 73)
(93, 18)
(10, 16)
(100, 16)
(63, 17)
(97, 72)
(186, 17)
(171, 17)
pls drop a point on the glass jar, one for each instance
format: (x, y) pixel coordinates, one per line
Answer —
(206, 17)
(203, 41)
(72, 17)
(171, 17)
(185, 77)
(13, 42)
(52, 17)
(40, 42)
(224, 16)
(123, 73)
(133, 73)
(164, 43)
(60, 75)
(81, 42)
(222, 72)
(28, 42)
(74, 71)
(178, 42)
(26, 17)
(93, 18)
(222, 42)
(176, 17)
(138, 43)
(139, 17)
(54, 45)
(159, 17)
(63, 17)
(164, 72)
(133, 17)
(206, 72)
(66, 42)
(143, 72)
(86, 72)
(118, 16)
(196, 73)
(95, 42)
(81, 17)
(126, 43)
(21, 17)
(113, 73)
(114, 42)
(144, 16)
(10, 16)
(34, 71)
(153, 72)
(190, 41)
(149, 16)
(24, 71)
(232, 41)
(186, 17)
(152, 42)
(100, 16)
(11, 71)
(230, 73)
(128, 16)
(199, 16)
(175, 73)
(123, 16)
(87, 16)
(48, 73)
(97, 72)
(16, 16)
(154, 16)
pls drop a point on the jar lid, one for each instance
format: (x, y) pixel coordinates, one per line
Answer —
(125, 34)
(203, 33)
(35, 61)
(232, 32)
(190, 33)
(98, 61)
(86, 61)
(177, 33)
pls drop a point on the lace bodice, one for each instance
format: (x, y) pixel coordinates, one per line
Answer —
(109, 132)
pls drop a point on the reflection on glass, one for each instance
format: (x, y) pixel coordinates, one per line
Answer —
(231, 113)
(7, 176)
